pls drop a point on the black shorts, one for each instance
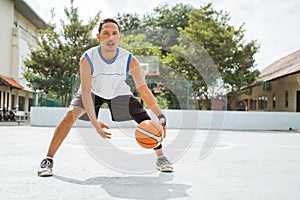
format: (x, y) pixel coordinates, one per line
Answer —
(122, 108)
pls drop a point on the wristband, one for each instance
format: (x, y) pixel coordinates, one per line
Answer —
(162, 119)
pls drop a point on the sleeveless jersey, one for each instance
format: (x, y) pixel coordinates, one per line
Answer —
(108, 77)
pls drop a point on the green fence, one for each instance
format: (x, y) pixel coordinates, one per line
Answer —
(277, 95)
(170, 94)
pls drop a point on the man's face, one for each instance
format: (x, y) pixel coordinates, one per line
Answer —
(109, 37)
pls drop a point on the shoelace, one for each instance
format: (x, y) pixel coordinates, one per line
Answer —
(164, 161)
(45, 163)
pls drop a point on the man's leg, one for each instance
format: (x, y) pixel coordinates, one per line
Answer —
(159, 152)
(162, 163)
(63, 128)
(60, 133)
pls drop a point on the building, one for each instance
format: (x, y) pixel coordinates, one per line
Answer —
(19, 29)
(278, 87)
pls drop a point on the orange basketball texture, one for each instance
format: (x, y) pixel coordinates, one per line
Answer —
(149, 134)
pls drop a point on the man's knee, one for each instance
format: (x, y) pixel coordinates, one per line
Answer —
(74, 112)
(69, 116)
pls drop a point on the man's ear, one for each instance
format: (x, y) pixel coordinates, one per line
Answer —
(98, 37)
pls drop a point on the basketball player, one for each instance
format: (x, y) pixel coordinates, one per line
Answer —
(103, 71)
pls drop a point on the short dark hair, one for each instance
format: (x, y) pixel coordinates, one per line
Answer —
(107, 20)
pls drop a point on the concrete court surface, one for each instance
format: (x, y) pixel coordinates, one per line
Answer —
(243, 166)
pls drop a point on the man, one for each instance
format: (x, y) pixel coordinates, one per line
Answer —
(103, 71)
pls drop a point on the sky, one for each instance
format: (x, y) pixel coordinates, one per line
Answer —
(273, 23)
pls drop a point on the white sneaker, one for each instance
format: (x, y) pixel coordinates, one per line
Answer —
(46, 168)
(163, 164)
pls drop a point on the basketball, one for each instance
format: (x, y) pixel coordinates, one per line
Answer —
(149, 134)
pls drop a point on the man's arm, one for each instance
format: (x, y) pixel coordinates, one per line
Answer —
(86, 81)
(144, 91)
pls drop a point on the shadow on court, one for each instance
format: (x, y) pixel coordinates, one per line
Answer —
(136, 187)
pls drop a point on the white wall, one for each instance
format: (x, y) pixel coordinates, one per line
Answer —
(186, 119)
(6, 25)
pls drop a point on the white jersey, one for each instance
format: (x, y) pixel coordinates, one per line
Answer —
(108, 77)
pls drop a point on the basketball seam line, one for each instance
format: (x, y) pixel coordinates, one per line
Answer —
(163, 131)
(149, 144)
(149, 134)
(151, 122)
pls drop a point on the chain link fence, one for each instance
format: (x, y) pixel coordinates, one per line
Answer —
(170, 94)
(275, 95)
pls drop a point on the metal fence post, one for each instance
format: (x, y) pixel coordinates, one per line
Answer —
(33, 92)
(73, 86)
(188, 94)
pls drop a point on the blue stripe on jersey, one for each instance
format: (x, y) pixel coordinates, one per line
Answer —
(128, 65)
(90, 62)
(108, 62)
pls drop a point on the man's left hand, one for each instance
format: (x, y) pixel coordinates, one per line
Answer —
(163, 122)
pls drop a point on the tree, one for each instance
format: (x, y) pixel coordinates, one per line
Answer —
(128, 22)
(223, 43)
(139, 45)
(162, 25)
(54, 65)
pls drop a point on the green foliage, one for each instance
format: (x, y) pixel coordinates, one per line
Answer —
(162, 25)
(162, 101)
(55, 63)
(139, 46)
(219, 41)
(169, 17)
(128, 22)
(220, 49)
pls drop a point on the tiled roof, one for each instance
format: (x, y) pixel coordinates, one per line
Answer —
(287, 65)
(9, 82)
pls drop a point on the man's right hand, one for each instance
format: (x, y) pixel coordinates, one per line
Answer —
(100, 129)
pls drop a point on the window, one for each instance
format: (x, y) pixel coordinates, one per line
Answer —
(286, 99)
(265, 103)
(12, 101)
(7, 100)
(260, 103)
(274, 101)
(3, 106)
(21, 103)
(253, 104)
(29, 104)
